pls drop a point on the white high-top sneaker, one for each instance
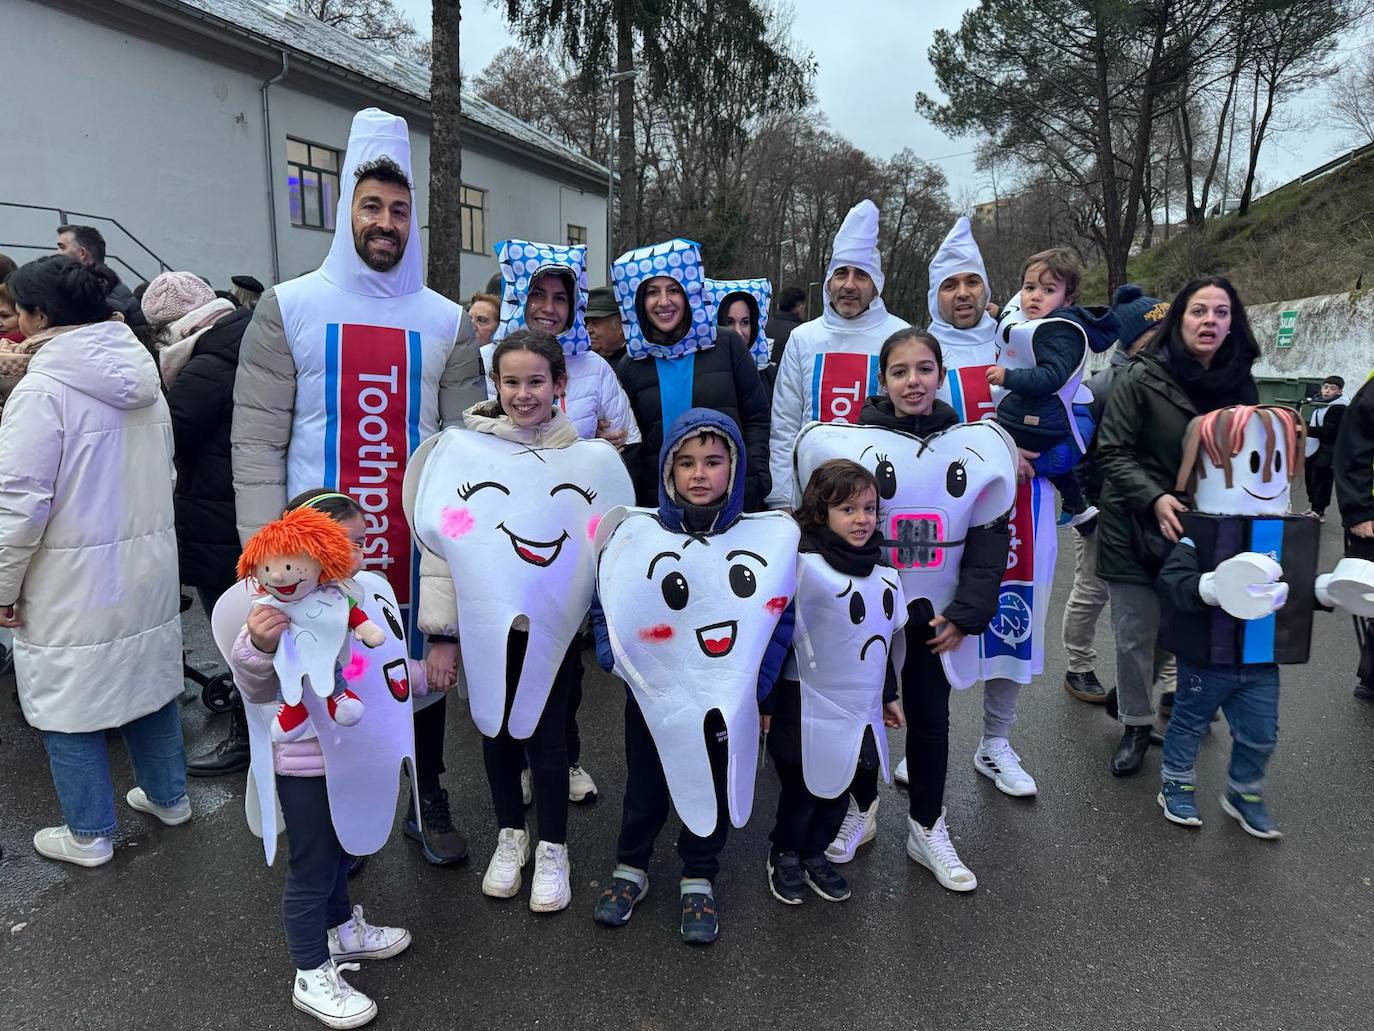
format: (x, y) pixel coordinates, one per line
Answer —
(171, 815)
(995, 759)
(857, 829)
(550, 889)
(326, 996)
(502, 880)
(357, 939)
(581, 787)
(933, 850)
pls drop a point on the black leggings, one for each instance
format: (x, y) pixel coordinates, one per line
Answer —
(315, 896)
(504, 756)
(805, 823)
(925, 700)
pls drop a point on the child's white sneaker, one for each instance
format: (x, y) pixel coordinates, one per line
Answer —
(502, 879)
(357, 939)
(581, 787)
(61, 844)
(171, 815)
(550, 890)
(933, 850)
(857, 829)
(326, 996)
(996, 760)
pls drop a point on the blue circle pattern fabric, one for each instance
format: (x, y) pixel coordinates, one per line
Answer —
(521, 261)
(681, 260)
(761, 290)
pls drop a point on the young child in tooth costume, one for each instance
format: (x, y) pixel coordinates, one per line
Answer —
(1056, 334)
(299, 564)
(689, 672)
(324, 931)
(839, 685)
(1239, 590)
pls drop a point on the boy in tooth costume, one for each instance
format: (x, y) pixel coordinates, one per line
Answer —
(342, 373)
(1013, 647)
(594, 395)
(830, 364)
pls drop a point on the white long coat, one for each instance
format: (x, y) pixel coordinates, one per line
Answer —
(87, 544)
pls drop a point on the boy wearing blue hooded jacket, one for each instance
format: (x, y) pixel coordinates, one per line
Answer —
(697, 495)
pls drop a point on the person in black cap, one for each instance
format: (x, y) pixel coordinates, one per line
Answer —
(247, 290)
(603, 324)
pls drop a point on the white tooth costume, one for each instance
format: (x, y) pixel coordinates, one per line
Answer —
(689, 618)
(848, 634)
(1013, 646)
(367, 353)
(361, 762)
(761, 290)
(830, 364)
(314, 643)
(515, 525)
(1016, 350)
(929, 494)
(594, 394)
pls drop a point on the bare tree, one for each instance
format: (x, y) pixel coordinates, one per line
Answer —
(446, 153)
(378, 22)
(1350, 98)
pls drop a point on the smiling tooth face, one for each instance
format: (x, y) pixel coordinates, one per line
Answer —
(689, 620)
(515, 525)
(844, 646)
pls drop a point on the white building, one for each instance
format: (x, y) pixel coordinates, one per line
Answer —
(211, 131)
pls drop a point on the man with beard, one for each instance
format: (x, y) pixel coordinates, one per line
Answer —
(342, 374)
(830, 364)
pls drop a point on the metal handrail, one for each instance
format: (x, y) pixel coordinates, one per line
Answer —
(66, 215)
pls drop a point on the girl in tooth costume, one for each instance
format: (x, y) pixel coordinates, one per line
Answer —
(646, 789)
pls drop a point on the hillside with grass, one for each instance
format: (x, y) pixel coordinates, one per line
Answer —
(1300, 241)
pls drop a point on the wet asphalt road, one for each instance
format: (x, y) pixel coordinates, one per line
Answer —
(1091, 912)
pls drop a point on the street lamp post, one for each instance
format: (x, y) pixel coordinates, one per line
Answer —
(615, 79)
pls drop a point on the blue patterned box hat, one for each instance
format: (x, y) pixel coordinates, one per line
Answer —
(521, 261)
(761, 290)
(681, 260)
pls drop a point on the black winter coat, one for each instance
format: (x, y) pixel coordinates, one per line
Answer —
(201, 400)
(1353, 462)
(723, 378)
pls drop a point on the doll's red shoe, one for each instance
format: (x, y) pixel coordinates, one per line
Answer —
(345, 708)
(292, 723)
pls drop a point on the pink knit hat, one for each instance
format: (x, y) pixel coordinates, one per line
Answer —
(173, 295)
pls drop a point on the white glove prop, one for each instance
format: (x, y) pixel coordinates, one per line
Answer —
(1246, 586)
(1349, 586)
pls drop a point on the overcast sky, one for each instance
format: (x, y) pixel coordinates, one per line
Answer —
(871, 66)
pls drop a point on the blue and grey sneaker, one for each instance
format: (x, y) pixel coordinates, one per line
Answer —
(1178, 799)
(617, 902)
(699, 923)
(1248, 808)
(785, 878)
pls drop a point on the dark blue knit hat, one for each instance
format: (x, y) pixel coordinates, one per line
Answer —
(1138, 312)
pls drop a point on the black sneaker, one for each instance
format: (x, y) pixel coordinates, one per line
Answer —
(785, 878)
(441, 842)
(699, 923)
(617, 902)
(824, 879)
(1085, 687)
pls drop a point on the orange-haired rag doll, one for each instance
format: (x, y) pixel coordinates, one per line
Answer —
(301, 564)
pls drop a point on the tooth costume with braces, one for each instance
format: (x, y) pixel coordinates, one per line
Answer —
(521, 262)
(680, 260)
(515, 524)
(761, 290)
(362, 761)
(689, 618)
(929, 494)
(1259, 561)
(848, 633)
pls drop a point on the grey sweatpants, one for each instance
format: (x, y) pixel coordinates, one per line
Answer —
(1139, 660)
(1086, 602)
(999, 706)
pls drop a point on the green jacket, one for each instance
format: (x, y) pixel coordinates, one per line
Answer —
(1139, 448)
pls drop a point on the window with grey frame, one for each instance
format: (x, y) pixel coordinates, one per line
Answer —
(576, 235)
(472, 210)
(312, 180)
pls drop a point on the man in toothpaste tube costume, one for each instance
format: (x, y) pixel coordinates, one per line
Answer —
(342, 374)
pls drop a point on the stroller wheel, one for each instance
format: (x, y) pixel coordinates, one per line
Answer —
(219, 693)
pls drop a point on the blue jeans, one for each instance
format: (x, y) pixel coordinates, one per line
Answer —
(80, 766)
(1249, 695)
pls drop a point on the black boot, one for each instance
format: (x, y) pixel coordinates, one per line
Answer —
(441, 842)
(1085, 687)
(230, 755)
(1130, 754)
